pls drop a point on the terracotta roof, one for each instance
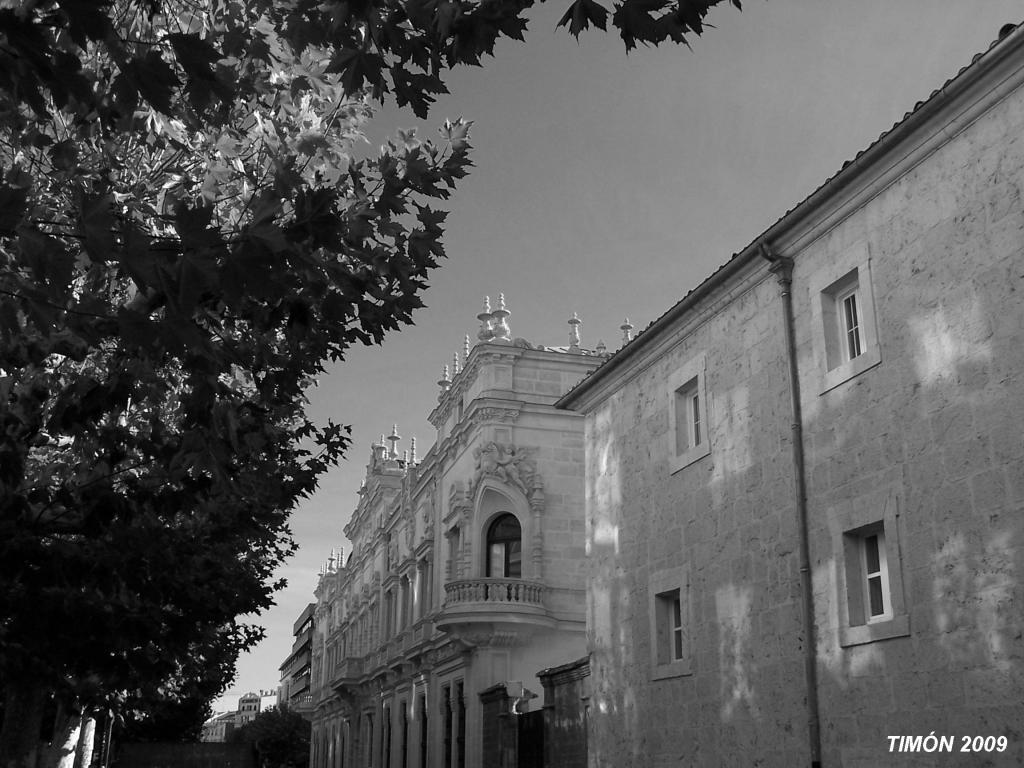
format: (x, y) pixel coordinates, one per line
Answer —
(639, 339)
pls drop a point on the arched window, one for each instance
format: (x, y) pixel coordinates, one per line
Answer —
(505, 548)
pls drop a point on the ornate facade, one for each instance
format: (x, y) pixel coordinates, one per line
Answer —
(466, 569)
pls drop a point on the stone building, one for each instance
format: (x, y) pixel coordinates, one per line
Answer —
(293, 691)
(219, 728)
(466, 574)
(249, 706)
(805, 480)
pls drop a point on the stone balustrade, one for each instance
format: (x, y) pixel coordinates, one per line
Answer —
(490, 590)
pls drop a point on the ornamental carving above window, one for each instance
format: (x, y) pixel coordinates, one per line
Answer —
(509, 464)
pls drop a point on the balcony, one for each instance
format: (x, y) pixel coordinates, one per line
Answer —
(348, 670)
(493, 611)
(303, 704)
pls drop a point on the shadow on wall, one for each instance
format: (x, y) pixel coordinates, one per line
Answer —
(954, 427)
(610, 610)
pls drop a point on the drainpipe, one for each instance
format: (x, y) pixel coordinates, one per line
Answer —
(782, 268)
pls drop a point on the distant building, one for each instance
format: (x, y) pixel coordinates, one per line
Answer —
(467, 573)
(249, 706)
(805, 481)
(294, 690)
(219, 727)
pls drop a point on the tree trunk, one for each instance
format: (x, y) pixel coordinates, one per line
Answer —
(86, 741)
(64, 746)
(23, 718)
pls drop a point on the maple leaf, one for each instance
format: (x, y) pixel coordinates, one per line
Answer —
(583, 13)
(97, 226)
(12, 206)
(154, 79)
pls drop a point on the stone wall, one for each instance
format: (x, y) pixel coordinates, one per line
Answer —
(930, 439)
(723, 528)
(566, 701)
(916, 443)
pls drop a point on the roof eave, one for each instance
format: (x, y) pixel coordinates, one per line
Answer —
(864, 163)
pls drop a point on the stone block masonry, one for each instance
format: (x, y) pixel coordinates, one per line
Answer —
(907, 316)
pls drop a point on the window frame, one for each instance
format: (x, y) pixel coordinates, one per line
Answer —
(491, 541)
(686, 384)
(880, 574)
(670, 632)
(875, 513)
(830, 287)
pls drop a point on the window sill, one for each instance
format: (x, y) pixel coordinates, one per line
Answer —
(846, 371)
(679, 668)
(898, 626)
(689, 457)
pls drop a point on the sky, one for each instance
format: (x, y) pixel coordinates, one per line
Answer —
(610, 185)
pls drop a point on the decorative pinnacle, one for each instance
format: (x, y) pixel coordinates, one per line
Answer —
(501, 315)
(600, 348)
(465, 350)
(574, 331)
(405, 457)
(485, 333)
(394, 438)
(627, 331)
(444, 383)
(412, 452)
(455, 364)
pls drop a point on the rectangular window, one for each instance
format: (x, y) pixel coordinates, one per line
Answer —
(668, 607)
(446, 705)
(404, 712)
(424, 730)
(689, 435)
(849, 324)
(389, 613)
(865, 536)
(687, 417)
(676, 623)
(670, 620)
(845, 340)
(460, 726)
(875, 579)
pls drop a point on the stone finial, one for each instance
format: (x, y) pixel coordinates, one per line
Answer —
(455, 364)
(627, 331)
(412, 452)
(574, 331)
(443, 383)
(500, 316)
(330, 561)
(486, 333)
(465, 350)
(600, 348)
(394, 438)
(405, 456)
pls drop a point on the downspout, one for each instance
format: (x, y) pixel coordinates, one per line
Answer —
(782, 268)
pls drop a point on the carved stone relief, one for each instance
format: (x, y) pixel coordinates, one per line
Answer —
(507, 463)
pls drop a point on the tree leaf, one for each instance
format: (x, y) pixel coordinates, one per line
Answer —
(581, 14)
(13, 201)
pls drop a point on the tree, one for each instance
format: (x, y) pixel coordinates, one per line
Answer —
(280, 737)
(185, 242)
